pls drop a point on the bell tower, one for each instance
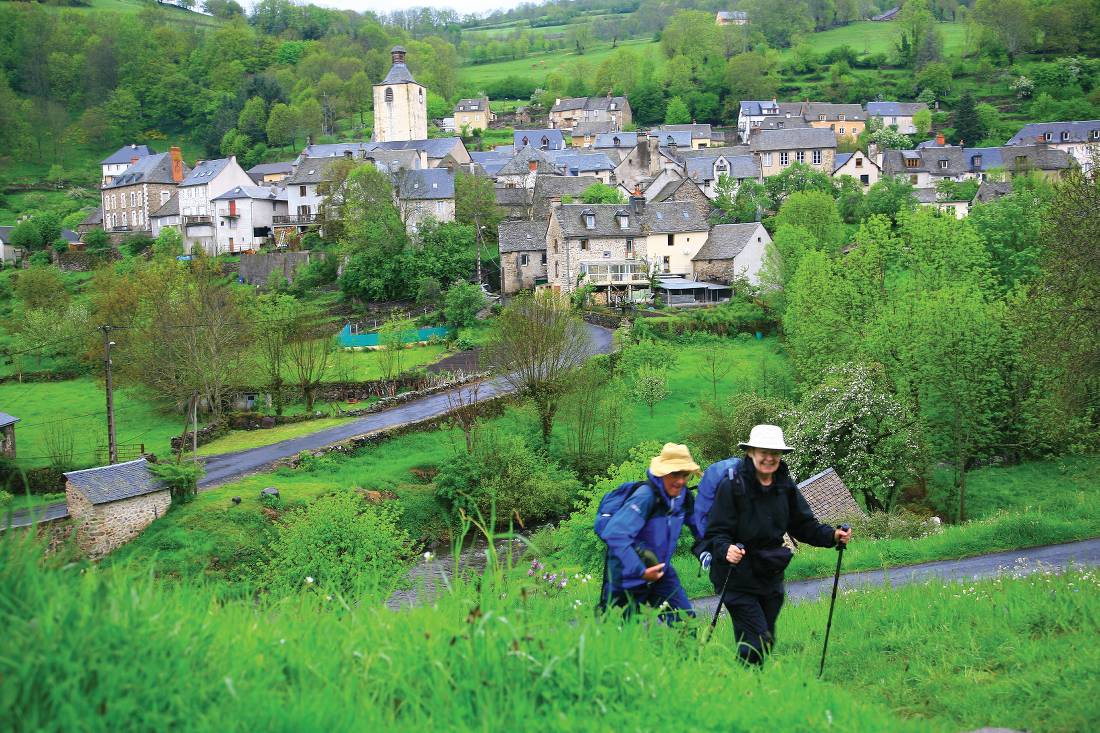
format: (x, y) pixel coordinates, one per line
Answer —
(400, 104)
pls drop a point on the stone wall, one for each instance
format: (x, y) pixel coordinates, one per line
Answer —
(257, 269)
(102, 528)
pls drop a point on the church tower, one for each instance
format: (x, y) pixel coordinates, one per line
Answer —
(400, 104)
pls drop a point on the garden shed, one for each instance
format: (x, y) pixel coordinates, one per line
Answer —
(111, 505)
(829, 498)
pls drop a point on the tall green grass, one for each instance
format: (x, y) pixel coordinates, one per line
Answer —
(90, 648)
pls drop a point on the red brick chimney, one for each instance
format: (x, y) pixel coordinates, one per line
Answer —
(177, 163)
(533, 165)
(939, 139)
(134, 160)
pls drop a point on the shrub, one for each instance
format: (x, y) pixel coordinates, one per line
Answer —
(903, 524)
(506, 477)
(718, 427)
(462, 302)
(5, 501)
(182, 479)
(340, 545)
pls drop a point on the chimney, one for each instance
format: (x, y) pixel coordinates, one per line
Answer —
(533, 165)
(637, 200)
(652, 161)
(134, 160)
(177, 163)
(1040, 139)
(939, 138)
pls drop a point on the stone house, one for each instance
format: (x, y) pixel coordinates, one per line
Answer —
(473, 114)
(698, 136)
(541, 139)
(92, 221)
(684, 190)
(266, 174)
(425, 194)
(896, 114)
(601, 244)
(121, 159)
(244, 217)
(675, 232)
(731, 252)
(111, 505)
(9, 254)
(209, 178)
(522, 255)
(1079, 139)
(590, 163)
(7, 435)
(707, 167)
(929, 163)
(776, 150)
(731, 17)
(133, 195)
(526, 166)
(846, 120)
(584, 133)
(616, 143)
(645, 162)
(303, 197)
(400, 104)
(859, 166)
(752, 114)
(567, 113)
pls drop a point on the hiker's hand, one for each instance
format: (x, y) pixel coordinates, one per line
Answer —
(734, 554)
(654, 573)
(842, 536)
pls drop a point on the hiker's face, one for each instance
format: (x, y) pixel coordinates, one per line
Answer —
(675, 483)
(765, 461)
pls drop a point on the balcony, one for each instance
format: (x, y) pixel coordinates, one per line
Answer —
(630, 272)
(295, 219)
(198, 220)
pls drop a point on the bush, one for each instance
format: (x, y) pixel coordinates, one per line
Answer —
(903, 524)
(506, 477)
(718, 427)
(462, 302)
(340, 545)
(182, 479)
(5, 501)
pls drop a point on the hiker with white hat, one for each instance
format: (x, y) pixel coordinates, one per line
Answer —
(755, 503)
(641, 523)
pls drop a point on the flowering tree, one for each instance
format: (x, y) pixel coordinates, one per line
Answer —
(852, 423)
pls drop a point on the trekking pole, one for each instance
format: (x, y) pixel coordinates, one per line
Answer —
(721, 595)
(841, 546)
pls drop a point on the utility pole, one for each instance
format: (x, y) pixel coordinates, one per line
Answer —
(112, 444)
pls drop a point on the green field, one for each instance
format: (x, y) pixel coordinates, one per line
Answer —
(133, 7)
(874, 38)
(537, 66)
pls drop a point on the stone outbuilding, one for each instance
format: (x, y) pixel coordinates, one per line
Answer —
(111, 505)
(7, 434)
(829, 497)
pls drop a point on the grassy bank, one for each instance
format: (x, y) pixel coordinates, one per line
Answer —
(499, 657)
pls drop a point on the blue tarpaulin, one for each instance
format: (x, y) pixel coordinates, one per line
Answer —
(348, 339)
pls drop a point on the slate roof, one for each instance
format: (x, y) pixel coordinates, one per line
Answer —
(962, 161)
(992, 190)
(205, 172)
(399, 74)
(310, 170)
(171, 207)
(70, 236)
(491, 162)
(841, 159)
(780, 123)
(673, 217)
(150, 169)
(668, 138)
(436, 147)
(480, 104)
(698, 131)
(894, 109)
(811, 137)
(252, 192)
(754, 108)
(701, 168)
(521, 236)
(726, 241)
(832, 111)
(6, 419)
(127, 153)
(578, 162)
(5, 234)
(571, 217)
(427, 184)
(589, 103)
(93, 219)
(554, 138)
(593, 127)
(257, 172)
(828, 497)
(607, 140)
(1078, 132)
(519, 165)
(668, 190)
(926, 195)
(550, 189)
(113, 483)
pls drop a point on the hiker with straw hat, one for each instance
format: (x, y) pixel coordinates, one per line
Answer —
(641, 534)
(756, 502)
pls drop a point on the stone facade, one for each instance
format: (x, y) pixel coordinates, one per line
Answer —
(102, 528)
(400, 104)
(522, 270)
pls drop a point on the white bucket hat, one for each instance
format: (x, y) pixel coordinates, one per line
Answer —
(768, 437)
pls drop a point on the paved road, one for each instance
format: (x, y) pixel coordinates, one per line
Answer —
(1085, 552)
(227, 466)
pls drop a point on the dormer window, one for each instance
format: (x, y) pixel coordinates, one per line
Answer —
(389, 95)
(624, 219)
(545, 143)
(1065, 135)
(912, 163)
(840, 117)
(820, 118)
(589, 220)
(1048, 136)
(1095, 134)
(943, 164)
(525, 141)
(976, 161)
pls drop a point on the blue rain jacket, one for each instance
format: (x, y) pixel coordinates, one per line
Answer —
(649, 520)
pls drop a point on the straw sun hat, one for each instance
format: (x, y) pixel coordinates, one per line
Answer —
(768, 437)
(673, 458)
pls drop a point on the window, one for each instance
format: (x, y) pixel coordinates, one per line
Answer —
(859, 162)
(624, 221)
(817, 158)
(800, 156)
(843, 131)
(784, 158)
(301, 190)
(133, 199)
(865, 179)
(671, 239)
(912, 163)
(666, 263)
(629, 247)
(767, 158)
(543, 259)
(523, 260)
(821, 118)
(840, 117)
(1048, 135)
(893, 121)
(1095, 134)
(589, 221)
(389, 95)
(913, 180)
(164, 196)
(584, 245)
(133, 218)
(1065, 135)
(943, 164)
(557, 271)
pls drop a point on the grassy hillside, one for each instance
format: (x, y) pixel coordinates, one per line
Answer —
(133, 7)
(874, 38)
(537, 66)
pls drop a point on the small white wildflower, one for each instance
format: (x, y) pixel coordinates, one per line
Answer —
(309, 580)
(429, 556)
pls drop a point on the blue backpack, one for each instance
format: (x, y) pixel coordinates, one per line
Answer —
(708, 487)
(612, 502)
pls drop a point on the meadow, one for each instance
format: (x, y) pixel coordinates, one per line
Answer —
(537, 66)
(509, 652)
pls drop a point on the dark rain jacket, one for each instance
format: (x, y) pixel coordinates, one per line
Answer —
(757, 517)
(649, 520)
